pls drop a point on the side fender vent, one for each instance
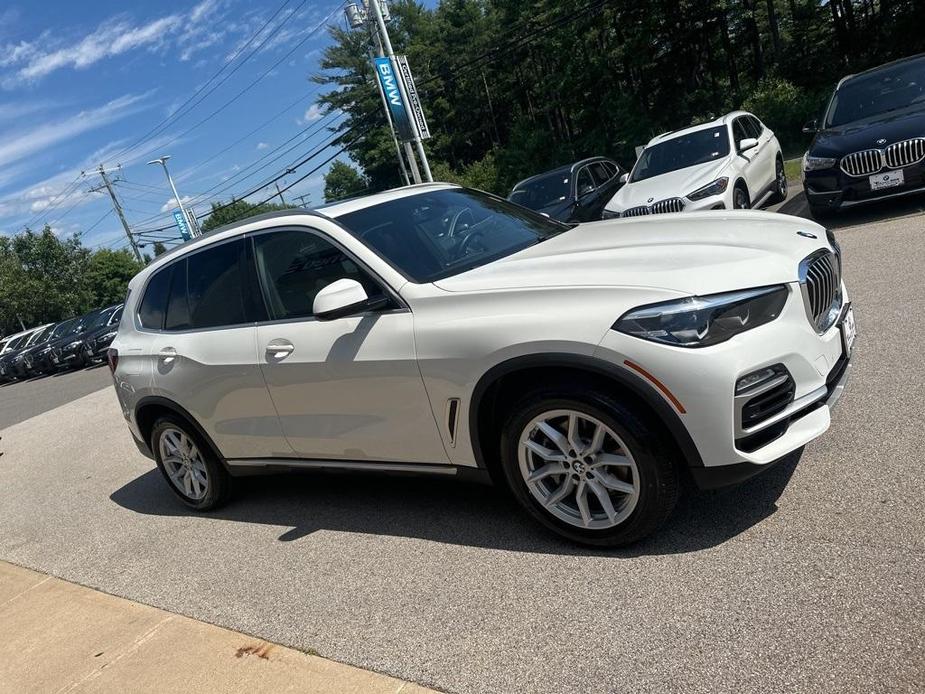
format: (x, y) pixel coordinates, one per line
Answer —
(452, 417)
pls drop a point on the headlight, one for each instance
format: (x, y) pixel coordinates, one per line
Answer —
(715, 188)
(75, 344)
(610, 214)
(108, 337)
(701, 321)
(817, 163)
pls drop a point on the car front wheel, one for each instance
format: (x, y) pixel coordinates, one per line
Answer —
(187, 463)
(587, 467)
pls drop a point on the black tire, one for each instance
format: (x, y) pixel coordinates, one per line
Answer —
(658, 474)
(821, 211)
(780, 183)
(218, 480)
(740, 197)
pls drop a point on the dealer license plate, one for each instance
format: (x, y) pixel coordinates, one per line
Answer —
(888, 179)
(848, 330)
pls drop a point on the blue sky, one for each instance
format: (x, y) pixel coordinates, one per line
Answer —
(81, 83)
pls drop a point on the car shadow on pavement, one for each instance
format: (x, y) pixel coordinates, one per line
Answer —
(454, 512)
(857, 216)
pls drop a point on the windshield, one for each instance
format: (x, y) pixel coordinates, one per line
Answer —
(15, 343)
(440, 233)
(40, 336)
(542, 191)
(889, 89)
(63, 329)
(680, 152)
(98, 320)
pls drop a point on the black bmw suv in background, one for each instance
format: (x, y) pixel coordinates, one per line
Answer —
(572, 193)
(870, 142)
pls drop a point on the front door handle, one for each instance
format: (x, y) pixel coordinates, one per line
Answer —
(168, 354)
(279, 348)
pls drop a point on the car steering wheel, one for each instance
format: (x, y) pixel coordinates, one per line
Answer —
(456, 221)
(465, 246)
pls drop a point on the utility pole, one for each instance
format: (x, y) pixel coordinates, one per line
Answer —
(280, 193)
(194, 229)
(107, 184)
(387, 42)
(301, 198)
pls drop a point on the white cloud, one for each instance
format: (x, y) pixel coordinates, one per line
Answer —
(33, 60)
(17, 145)
(171, 204)
(262, 145)
(313, 113)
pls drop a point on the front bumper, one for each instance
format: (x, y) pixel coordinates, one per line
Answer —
(834, 189)
(703, 383)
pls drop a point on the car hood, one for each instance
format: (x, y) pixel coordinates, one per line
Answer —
(674, 184)
(694, 253)
(863, 134)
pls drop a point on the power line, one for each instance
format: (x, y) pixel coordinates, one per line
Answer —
(180, 111)
(253, 83)
(56, 200)
(94, 225)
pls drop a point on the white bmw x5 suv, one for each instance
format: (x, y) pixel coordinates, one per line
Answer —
(438, 329)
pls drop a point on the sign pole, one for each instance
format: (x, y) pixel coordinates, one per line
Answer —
(416, 136)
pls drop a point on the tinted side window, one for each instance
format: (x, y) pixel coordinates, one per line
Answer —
(585, 182)
(739, 132)
(178, 317)
(214, 286)
(154, 302)
(295, 265)
(757, 127)
(600, 172)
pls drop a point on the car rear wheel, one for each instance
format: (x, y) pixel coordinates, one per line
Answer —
(780, 183)
(587, 467)
(187, 463)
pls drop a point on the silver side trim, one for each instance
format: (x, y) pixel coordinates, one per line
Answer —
(793, 407)
(296, 463)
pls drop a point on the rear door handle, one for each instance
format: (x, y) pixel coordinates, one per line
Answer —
(280, 348)
(168, 354)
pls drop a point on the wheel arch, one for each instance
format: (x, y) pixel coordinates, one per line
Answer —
(497, 386)
(150, 408)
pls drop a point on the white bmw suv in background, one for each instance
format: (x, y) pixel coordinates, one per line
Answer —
(441, 330)
(734, 162)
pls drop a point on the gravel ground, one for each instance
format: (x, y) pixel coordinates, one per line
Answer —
(809, 578)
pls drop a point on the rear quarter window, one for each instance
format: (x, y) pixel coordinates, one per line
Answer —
(154, 302)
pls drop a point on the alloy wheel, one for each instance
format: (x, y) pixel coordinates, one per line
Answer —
(781, 180)
(184, 464)
(578, 469)
(740, 199)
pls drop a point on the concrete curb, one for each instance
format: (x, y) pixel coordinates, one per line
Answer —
(62, 637)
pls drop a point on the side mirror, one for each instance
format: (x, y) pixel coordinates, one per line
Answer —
(624, 177)
(343, 298)
(811, 127)
(747, 143)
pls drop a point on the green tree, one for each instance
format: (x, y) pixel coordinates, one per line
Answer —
(342, 181)
(235, 211)
(159, 248)
(108, 274)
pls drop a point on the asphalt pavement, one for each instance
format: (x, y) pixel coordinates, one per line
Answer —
(24, 399)
(808, 578)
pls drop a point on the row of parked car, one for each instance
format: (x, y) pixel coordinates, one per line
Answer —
(73, 343)
(868, 145)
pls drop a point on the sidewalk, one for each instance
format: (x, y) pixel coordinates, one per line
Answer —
(61, 637)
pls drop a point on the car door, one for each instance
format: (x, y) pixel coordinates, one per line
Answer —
(348, 388)
(766, 158)
(202, 349)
